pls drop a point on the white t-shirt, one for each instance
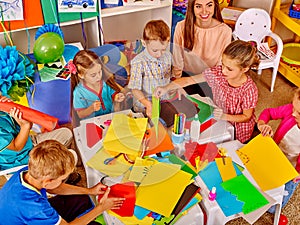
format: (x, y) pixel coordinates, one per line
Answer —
(290, 144)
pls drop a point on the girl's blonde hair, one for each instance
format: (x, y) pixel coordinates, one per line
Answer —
(84, 60)
(50, 159)
(156, 30)
(243, 52)
(190, 19)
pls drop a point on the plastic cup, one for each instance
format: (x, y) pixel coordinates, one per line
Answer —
(177, 138)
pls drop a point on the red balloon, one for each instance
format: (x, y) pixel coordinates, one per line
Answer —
(283, 220)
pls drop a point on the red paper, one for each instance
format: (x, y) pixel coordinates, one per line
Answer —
(206, 151)
(127, 191)
(93, 134)
(44, 120)
(207, 124)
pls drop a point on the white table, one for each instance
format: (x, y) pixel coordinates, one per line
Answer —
(215, 215)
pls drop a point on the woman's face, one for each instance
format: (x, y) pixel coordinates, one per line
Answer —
(93, 75)
(204, 10)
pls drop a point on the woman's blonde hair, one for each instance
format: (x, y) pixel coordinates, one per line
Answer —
(50, 159)
(245, 53)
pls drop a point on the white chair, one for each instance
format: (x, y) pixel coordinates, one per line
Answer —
(255, 25)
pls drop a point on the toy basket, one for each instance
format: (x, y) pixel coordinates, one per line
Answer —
(293, 13)
(290, 53)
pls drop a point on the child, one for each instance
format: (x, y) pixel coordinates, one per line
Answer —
(286, 135)
(152, 67)
(24, 200)
(16, 141)
(96, 89)
(234, 92)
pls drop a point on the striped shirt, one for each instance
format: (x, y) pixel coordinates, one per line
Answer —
(233, 100)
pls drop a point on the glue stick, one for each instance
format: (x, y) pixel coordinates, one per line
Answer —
(212, 194)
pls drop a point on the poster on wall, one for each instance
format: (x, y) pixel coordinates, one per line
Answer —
(11, 10)
(67, 6)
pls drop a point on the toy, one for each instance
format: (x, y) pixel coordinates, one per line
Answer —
(283, 220)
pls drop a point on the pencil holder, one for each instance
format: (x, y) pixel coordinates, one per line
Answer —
(177, 138)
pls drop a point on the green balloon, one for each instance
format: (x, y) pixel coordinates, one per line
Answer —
(49, 47)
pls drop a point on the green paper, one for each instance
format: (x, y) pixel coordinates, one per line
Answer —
(184, 166)
(155, 113)
(50, 13)
(205, 111)
(241, 187)
(100, 219)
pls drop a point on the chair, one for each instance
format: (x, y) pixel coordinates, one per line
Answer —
(255, 25)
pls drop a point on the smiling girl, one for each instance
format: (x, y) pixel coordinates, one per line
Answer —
(96, 89)
(234, 92)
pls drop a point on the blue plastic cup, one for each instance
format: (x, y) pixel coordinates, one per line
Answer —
(177, 138)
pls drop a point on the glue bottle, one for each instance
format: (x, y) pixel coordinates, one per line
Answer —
(195, 128)
(212, 194)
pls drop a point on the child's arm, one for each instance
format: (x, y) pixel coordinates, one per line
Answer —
(240, 118)
(82, 113)
(138, 94)
(20, 140)
(265, 129)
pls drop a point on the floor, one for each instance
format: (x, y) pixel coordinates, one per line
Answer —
(282, 94)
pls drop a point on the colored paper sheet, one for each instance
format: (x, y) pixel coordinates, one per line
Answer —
(185, 166)
(140, 168)
(100, 220)
(227, 202)
(241, 187)
(44, 120)
(158, 188)
(132, 220)
(119, 166)
(205, 125)
(126, 191)
(267, 164)
(140, 212)
(227, 171)
(155, 113)
(93, 134)
(125, 134)
(206, 111)
(158, 143)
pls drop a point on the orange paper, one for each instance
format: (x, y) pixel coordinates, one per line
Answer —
(46, 121)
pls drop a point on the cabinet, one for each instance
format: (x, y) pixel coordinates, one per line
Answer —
(280, 13)
(118, 23)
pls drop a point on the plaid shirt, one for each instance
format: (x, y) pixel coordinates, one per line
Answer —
(147, 73)
(233, 100)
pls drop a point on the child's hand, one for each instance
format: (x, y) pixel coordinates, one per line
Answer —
(148, 106)
(96, 106)
(4, 99)
(107, 203)
(296, 179)
(160, 91)
(98, 189)
(218, 113)
(265, 129)
(17, 115)
(119, 97)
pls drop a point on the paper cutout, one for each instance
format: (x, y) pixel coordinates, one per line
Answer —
(204, 126)
(185, 166)
(155, 113)
(227, 202)
(140, 212)
(140, 168)
(159, 143)
(206, 110)
(241, 187)
(119, 166)
(123, 190)
(227, 171)
(158, 188)
(267, 164)
(125, 134)
(46, 121)
(93, 134)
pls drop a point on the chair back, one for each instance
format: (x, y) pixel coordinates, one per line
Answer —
(252, 25)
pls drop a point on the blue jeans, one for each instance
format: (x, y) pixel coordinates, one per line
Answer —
(290, 187)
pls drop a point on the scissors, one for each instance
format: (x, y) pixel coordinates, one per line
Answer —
(109, 160)
(223, 154)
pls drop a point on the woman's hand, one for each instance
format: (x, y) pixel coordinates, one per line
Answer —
(119, 97)
(17, 115)
(107, 203)
(265, 129)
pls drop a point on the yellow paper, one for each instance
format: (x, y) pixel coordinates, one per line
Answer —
(140, 168)
(125, 134)
(267, 164)
(133, 220)
(117, 168)
(162, 187)
(227, 171)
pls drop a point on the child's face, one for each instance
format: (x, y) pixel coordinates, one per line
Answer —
(204, 10)
(296, 109)
(93, 75)
(231, 69)
(54, 183)
(156, 48)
